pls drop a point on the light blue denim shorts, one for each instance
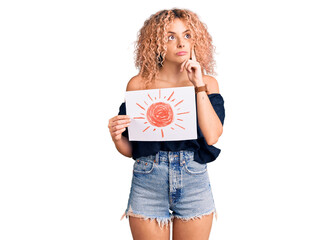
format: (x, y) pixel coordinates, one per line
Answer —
(168, 185)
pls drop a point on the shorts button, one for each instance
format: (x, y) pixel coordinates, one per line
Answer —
(138, 160)
(146, 163)
(155, 160)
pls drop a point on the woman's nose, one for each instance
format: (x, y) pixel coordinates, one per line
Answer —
(181, 45)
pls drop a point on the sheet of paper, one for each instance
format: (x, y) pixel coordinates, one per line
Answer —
(165, 114)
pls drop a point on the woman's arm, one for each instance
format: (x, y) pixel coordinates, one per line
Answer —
(122, 143)
(209, 123)
(123, 146)
(118, 124)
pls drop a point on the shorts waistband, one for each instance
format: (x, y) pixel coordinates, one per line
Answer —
(169, 156)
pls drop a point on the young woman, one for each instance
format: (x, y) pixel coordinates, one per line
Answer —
(170, 180)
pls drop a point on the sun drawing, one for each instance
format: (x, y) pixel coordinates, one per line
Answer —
(161, 113)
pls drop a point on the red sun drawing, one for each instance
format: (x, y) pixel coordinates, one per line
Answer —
(161, 112)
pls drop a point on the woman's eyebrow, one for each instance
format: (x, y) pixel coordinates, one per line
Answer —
(183, 32)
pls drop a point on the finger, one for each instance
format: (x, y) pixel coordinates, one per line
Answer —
(115, 118)
(120, 131)
(115, 125)
(118, 122)
(188, 66)
(114, 134)
(193, 57)
(182, 65)
(115, 128)
(122, 116)
(113, 122)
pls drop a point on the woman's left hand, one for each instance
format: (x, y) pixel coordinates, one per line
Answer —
(193, 69)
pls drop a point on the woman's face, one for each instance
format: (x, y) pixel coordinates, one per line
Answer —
(179, 42)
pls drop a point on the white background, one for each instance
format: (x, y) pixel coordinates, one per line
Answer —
(64, 67)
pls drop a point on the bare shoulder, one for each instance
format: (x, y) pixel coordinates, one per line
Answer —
(212, 84)
(135, 83)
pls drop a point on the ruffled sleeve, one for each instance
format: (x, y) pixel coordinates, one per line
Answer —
(122, 111)
(218, 104)
(208, 153)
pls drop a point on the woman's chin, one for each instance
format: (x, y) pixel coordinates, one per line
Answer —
(181, 59)
(178, 60)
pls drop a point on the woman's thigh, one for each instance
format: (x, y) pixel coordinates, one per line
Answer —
(148, 229)
(194, 229)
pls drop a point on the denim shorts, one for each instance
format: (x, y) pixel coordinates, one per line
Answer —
(168, 185)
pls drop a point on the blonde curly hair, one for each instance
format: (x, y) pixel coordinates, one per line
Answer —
(150, 47)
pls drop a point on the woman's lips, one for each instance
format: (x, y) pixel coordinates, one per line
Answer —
(181, 53)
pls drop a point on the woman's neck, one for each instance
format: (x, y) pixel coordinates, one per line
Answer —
(170, 72)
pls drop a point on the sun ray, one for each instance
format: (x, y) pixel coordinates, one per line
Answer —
(179, 103)
(179, 126)
(162, 133)
(171, 95)
(146, 128)
(182, 113)
(140, 106)
(180, 119)
(139, 118)
(150, 98)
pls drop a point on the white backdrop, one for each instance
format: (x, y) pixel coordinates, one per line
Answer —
(64, 67)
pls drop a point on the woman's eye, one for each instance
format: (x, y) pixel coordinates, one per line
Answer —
(171, 37)
(187, 36)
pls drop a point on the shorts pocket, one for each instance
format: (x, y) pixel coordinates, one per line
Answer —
(193, 167)
(143, 166)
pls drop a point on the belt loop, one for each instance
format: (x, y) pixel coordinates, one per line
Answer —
(157, 158)
(181, 158)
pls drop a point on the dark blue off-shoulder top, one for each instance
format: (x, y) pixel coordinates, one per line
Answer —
(203, 153)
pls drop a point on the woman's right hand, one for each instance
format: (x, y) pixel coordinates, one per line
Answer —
(117, 125)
